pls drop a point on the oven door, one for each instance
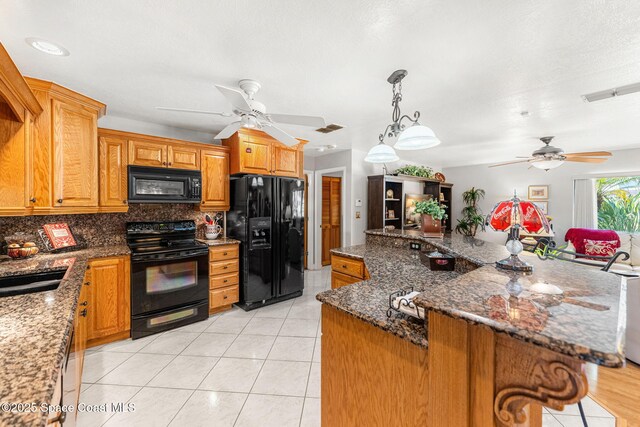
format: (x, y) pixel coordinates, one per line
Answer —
(173, 281)
(150, 324)
(161, 185)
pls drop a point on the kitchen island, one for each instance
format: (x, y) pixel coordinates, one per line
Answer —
(495, 345)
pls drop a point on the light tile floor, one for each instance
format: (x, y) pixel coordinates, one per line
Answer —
(257, 368)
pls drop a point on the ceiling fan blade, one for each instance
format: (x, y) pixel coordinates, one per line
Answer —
(235, 98)
(229, 130)
(280, 135)
(586, 159)
(292, 119)
(588, 153)
(510, 163)
(184, 110)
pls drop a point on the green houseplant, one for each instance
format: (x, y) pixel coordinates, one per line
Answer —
(472, 217)
(432, 213)
(419, 171)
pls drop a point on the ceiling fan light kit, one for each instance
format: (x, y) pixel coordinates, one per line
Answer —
(415, 137)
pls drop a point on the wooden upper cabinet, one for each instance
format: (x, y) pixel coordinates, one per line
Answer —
(64, 139)
(255, 152)
(183, 157)
(215, 178)
(113, 173)
(147, 153)
(109, 297)
(285, 161)
(75, 155)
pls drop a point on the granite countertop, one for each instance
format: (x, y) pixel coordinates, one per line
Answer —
(369, 300)
(220, 241)
(586, 321)
(35, 329)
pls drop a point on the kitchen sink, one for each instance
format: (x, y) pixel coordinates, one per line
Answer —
(30, 283)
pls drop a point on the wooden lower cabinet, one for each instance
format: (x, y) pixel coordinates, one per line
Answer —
(346, 271)
(109, 299)
(224, 279)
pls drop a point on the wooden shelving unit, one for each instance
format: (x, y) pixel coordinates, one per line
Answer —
(379, 204)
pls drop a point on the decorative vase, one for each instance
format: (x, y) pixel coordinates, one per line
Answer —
(431, 225)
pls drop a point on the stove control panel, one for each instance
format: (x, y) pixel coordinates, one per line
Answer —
(161, 227)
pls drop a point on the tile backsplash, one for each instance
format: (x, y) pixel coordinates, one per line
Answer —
(104, 228)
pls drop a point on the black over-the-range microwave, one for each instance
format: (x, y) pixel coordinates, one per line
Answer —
(163, 185)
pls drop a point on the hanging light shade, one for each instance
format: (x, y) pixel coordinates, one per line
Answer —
(381, 153)
(547, 164)
(416, 137)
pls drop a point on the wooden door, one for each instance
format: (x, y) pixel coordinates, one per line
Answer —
(181, 157)
(255, 155)
(145, 153)
(331, 213)
(75, 155)
(285, 160)
(113, 172)
(15, 188)
(109, 297)
(215, 179)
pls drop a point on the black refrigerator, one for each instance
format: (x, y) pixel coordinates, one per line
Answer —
(267, 216)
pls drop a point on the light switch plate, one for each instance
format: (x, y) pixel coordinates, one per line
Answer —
(358, 203)
(415, 246)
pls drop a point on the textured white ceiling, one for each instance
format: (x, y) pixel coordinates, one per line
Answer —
(473, 65)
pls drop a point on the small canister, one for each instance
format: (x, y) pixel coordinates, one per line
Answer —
(437, 261)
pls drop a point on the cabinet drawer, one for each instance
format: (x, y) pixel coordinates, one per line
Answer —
(347, 266)
(223, 296)
(216, 282)
(221, 253)
(339, 280)
(223, 267)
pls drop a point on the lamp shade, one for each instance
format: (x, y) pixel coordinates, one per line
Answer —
(508, 213)
(381, 153)
(416, 137)
(547, 164)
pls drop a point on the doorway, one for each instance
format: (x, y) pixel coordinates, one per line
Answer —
(331, 229)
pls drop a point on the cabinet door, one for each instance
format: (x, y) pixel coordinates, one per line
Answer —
(285, 160)
(215, 179)
(113, 171)
(75, 155)
(143, 153)
(183, 157)
(14, 180)
(109, 297)
(255, 155)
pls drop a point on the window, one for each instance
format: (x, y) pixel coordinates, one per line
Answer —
(618, 201)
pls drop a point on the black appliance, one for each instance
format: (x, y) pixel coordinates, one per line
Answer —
(162, 185)
(267, 216)
(169, 276)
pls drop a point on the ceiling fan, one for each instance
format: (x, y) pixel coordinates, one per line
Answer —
(253, 114)
(550, 157)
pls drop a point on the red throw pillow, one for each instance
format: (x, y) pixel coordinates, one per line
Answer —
(600, 247)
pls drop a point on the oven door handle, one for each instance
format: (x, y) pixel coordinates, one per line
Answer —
(169, 258)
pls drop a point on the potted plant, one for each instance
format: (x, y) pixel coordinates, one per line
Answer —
(472, 217)
(418, 171)
(432, 213)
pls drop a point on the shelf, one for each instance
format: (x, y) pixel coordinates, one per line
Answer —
(392, 219)
(391, 200)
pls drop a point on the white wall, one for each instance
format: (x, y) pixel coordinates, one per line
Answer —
(131, 125)
(500, 182)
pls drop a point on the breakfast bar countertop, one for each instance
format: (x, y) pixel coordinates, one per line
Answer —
(35, 329)
(585, 320)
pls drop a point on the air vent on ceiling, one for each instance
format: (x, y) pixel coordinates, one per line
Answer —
(329, 128)
(612, 93)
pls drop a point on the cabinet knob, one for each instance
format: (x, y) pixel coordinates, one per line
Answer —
(224, 254)
(84, 303)
(87, 283)
(164, 163)
(83, 313)
(32, 200)
(202, 202)
(169, 164)
(59, 200)
(225, 267)
(224, 297)
(225, 281)
(344, 266)
(124, 202)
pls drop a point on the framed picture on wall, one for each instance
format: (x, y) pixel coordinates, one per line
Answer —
(538, 192)
(542, 205)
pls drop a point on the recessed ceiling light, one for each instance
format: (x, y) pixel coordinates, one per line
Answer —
(524, 113)
(47, 46)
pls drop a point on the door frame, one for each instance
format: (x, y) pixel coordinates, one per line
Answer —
(316, 261)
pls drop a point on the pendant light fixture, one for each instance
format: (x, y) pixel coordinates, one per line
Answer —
(414, 137)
